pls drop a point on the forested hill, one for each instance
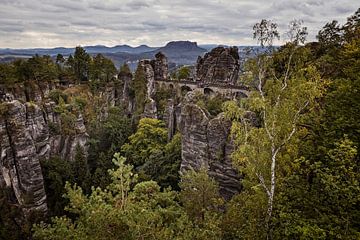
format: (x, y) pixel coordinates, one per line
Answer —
(92, 151)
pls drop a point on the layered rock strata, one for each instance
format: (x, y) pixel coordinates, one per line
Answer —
(156, 69)
(220, 66)
(206, 143)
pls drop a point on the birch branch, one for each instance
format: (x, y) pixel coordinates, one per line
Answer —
(262, 183)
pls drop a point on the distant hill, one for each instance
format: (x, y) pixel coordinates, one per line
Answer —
(68, 51)
(178, 52)
(119, 48)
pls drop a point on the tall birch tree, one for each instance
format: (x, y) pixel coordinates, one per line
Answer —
(284, 92)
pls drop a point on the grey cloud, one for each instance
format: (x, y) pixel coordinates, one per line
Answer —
(343, 9)
(136, 5)
(46, 23)
(105, 7)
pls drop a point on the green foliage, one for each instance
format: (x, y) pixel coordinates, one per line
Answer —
(80, 64)
(81, 169)
(106, 138)
(102, 69)
(265, 32)
(7, 74)
(80, 102)
(38, 68)
(199, 194)
(201, 200)
(304, 149)
(125, 69)
(154, 157)
(56, 94)
(162, 95)
(214, 104)
(118, 213)
(41, 68)
(150, 137)
(68, 121)
(317, 193)
(245, 215)
(56, 172)
(60, 59)
(324, 203)
(163, 165)
(182, 73)
(138, 87)
(10, 217)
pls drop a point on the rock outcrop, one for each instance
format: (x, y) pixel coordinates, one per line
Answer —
(30, 130)
(125, 78)
(156, 69)
(160, 66)
(206, 143)
(26, 92)
(23, 139)
(220, 66)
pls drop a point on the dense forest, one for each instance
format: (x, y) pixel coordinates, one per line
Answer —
(299, 162)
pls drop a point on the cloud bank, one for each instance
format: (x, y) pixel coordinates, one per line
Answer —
(45, 23)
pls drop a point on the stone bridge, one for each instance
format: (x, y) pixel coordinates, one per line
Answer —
(206, 88)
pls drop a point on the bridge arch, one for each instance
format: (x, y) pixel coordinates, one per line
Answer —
(240, 94)
(185, 89)
(209, 92)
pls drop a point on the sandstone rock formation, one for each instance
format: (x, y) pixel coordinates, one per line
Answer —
(20, 161)
(206, 143)
(26, 138)
(30, 130)
(156, 69)
(160, 66)
(125, 77)
(220, 66)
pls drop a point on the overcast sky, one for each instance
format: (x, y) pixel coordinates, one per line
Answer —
(44, 23)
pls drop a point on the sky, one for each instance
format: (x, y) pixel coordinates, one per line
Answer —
(68, 23)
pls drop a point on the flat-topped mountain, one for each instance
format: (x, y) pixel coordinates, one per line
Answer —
(179, 52)
(183, 46)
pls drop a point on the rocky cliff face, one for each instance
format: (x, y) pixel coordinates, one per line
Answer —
(26, 92)
(26, 138)
(156, 69)
(31, 130)
(220, 66)
(23, 140)
(206, 143)
(160, 66)
(125, 78)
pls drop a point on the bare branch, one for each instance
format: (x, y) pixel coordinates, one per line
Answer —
(262, 183)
